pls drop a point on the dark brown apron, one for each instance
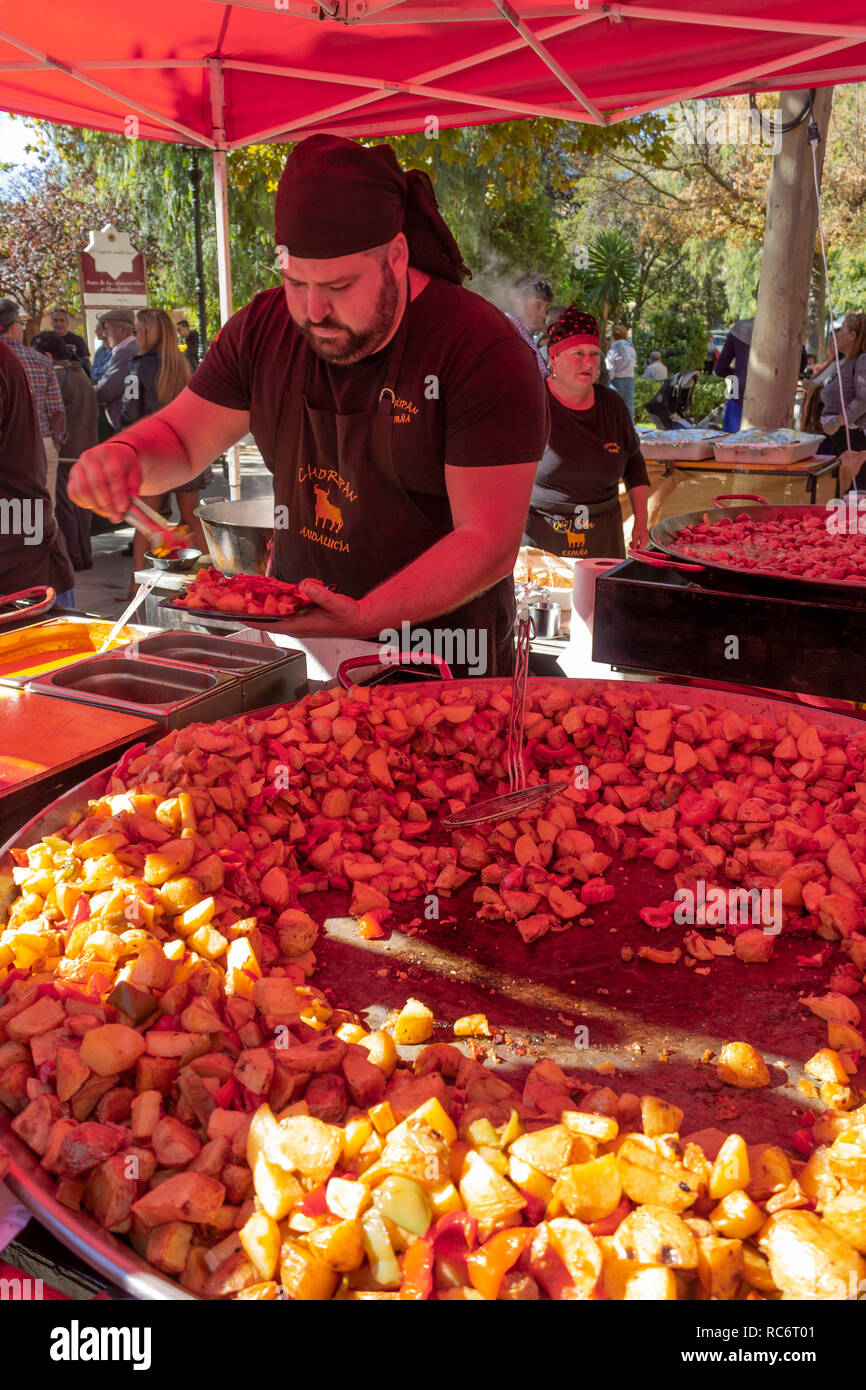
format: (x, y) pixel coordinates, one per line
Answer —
(351, 521)
(557, 534)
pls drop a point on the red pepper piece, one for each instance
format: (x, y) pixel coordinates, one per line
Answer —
(488, 1266)
(417, 1270)
(81, 911)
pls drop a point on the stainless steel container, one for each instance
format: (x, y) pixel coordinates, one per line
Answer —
(268, 675)
(545, 615)
(237, 533)
(167, 692)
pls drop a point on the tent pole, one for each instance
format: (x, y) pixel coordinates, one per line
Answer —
(224, 273)
(221, 209)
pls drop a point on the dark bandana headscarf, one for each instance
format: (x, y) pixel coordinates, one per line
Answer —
(572, 328)
(336, 197)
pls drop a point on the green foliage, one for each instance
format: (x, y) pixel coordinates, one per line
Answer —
(709, 392)
(611, 274)
(680, 337)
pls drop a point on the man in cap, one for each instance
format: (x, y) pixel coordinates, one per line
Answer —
(402, 416)
(47, 399)
(119, 329)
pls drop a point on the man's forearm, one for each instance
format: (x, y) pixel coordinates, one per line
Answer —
(638, 496)
(165, 462)
(455, 569)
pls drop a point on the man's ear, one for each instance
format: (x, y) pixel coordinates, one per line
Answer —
(398, 255)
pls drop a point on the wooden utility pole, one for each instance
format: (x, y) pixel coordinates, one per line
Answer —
(786, 268)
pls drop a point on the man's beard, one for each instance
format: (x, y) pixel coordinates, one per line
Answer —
(351, 347)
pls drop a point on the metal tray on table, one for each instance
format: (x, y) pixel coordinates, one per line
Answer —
(665, 533)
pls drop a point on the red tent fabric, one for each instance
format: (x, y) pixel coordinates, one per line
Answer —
(224, 76)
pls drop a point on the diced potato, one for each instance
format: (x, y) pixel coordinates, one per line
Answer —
(547, 1150)
(275, 997)
(650, 1172)
(173, 857)
(414, 1024)
(770, 1171)
(488, 1196)
(276, 1190)
(590, 1191)
(529, 1180)
(340, 1246)
(737, 1216)
(653, 1285)
(347, 1200)
(756, 1270)
(168, 1246)
(659, 1117)
(381, 1050)
(405, 1202)
(305, 1277)
(720, 1266)
(242, 969)
(303, 1144)
(741, 1065)
(472, 1026)
(809, 1259)
(297, 932)
(565, 1242)
(379, 1251)
(826, 1065)
(731, 1168)
(654, 1235)
(847, 1216)
(187, 1196)
(847, 1155)
(356, 1133)
(260, 1238)
(433, 1113)
(602, 1128)
(111, 1049)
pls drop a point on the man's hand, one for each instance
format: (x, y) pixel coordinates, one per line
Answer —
(850, 463)
(639, 537)
(335, 615)
(105, 479)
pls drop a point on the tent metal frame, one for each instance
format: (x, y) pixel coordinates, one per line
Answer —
(820, 38)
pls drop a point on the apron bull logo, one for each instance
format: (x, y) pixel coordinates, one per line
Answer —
(326, 511)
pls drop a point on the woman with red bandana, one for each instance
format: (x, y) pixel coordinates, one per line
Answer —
(575, 510)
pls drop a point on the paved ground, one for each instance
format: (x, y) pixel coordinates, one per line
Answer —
(102, 590)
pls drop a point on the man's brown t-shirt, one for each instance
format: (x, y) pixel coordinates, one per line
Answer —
(469, 393)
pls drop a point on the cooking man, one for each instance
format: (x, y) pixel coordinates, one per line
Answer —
(402, 416)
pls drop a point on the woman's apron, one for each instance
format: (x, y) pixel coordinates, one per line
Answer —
(343, 516)
(558, 534)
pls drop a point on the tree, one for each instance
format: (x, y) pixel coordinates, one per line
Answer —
(611, 274)
(43, 226)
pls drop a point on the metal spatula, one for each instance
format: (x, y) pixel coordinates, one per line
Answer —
(519, 797)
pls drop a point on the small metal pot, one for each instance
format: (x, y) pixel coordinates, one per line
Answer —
(545, 616)
(177, 563)
(238, 533)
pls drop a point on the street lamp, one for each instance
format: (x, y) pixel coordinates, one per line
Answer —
(193, 173)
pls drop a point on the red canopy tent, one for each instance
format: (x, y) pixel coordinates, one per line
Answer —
(226, 75)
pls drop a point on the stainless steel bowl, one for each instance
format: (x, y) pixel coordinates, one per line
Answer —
(237, 533)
